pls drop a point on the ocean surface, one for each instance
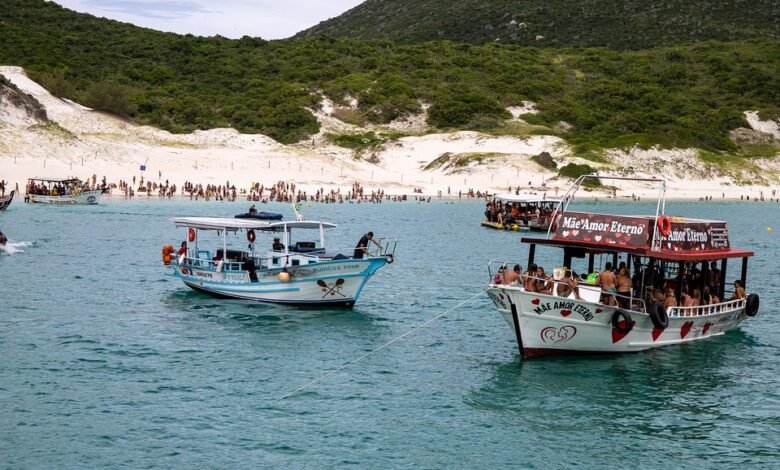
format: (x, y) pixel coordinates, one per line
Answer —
(107, 363)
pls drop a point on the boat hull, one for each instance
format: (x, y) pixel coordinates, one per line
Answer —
(533, 224)
(86, 197)
(334, 283)
(5, 201)
(547, 325)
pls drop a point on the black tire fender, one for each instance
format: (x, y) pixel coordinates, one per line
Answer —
(751, 305)
(658, 315)
(628, 323)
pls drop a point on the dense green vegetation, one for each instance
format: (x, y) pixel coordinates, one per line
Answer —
(617, 24)
(683, 96)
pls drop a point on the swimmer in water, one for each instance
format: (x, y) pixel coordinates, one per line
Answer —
(3, 240)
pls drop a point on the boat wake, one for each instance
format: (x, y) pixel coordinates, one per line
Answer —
(11, 248)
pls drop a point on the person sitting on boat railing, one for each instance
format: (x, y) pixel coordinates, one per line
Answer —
(739, 290)
(568, 285)
(511, 276)
(278, 245)
(529, 278)
(182, 249)
(669, 300)
(608, 282)
(708, 298)
(543, 282)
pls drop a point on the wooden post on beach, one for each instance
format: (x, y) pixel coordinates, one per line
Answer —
(269, 163)
(372, 172)
(44, 163)
(82, 161)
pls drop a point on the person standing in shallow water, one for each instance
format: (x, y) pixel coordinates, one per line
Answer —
(362, 247)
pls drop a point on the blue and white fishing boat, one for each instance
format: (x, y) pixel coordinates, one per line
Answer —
(300, 272)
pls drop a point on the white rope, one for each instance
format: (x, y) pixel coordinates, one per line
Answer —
(324, 376)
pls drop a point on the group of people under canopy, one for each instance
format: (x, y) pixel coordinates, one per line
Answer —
(670, 283)
(507, 213)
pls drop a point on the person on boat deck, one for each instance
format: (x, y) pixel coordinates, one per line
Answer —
(670, 300)
(278, 245)
(685, 298)
(511, 276)
(182, 249)
(608, 282)
(739, 290)
(543, 282)
(708, 298)
(361, 249)
(567, 285)
(253, 209)
(529, 278)
(623, 286)
(713, 278)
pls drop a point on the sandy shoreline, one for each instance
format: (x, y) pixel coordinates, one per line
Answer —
(83, 143)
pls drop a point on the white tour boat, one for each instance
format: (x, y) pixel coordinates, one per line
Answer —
(659, 257)
(61, 191)
(301, 272)
(520, 212)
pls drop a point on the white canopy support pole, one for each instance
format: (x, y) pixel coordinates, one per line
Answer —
(322, 236)
(224, 244)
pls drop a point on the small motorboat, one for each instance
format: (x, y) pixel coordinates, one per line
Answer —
(260, 215)
(285, 272)
(62, 191)
(520, 212)
(5, 201)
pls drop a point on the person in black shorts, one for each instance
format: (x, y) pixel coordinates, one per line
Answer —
(362, 247)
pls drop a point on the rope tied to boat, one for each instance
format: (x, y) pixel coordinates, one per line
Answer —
(374, 351)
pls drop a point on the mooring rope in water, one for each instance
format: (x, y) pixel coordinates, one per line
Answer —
(324, 376)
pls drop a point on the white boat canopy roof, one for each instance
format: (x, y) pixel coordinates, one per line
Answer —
(55, 180)
(528, 198)
(232, 225)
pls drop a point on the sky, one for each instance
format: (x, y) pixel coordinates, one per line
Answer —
(268, 19)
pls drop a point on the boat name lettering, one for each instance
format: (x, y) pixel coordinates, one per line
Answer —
(687, 235)
(205, 274)
(565, 306)
(615, 226)
(340, 267)
(234, 277)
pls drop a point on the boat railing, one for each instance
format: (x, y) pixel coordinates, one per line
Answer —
(587, 292)
(386, 247)
(701, 310)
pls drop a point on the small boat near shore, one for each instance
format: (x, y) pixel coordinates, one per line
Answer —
(62, 191)
(519, 212)
(662, 260)
(5, 201)
(301, 272)
(260, 215)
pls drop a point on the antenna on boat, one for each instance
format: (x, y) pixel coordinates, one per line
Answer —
(629, 159)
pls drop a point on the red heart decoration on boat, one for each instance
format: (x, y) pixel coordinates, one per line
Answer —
(656, 333)
(598, 310)
(685, 329)
(566, 312)
(618, 336)
(706, 328)
(535, 301)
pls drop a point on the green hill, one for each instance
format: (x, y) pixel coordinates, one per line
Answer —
(619, 24)
(686, 96)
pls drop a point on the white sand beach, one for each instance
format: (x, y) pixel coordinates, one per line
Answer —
(83, 142)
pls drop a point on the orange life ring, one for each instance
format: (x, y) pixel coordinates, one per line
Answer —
(250, 235)
(191, 234)
(664, 226)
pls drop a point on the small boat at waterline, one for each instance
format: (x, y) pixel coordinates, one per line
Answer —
(61, 191)
(299, 272)
(662, 260)
(519, 212)
(5, 201)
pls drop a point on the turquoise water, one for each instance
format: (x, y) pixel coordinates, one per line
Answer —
(105, 362)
